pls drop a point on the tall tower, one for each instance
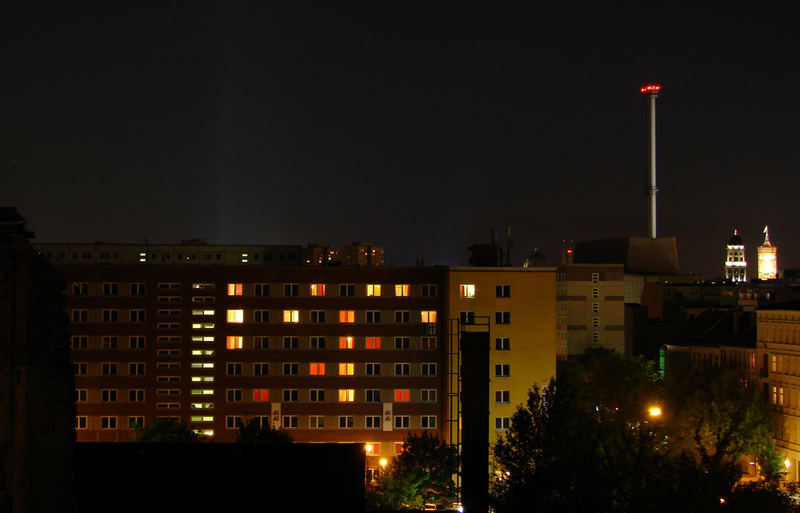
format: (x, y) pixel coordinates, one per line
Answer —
(651, 93)
(767, 258)
(735, 263)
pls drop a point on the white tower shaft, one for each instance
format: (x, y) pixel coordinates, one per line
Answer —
(653, 188)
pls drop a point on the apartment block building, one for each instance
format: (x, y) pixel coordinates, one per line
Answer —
(330, 354)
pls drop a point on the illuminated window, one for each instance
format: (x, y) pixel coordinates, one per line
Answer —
(316, 396)
(502, 344)
(347, 369)
(260, 395)
(372, 396)
(199, 312)
(289, 395)
(347, 395)
(402, 395)
(235, 342)
(466, 290)
(401, 317)
(236, 316)
(428, 395)
(345, 342)
(261, 369)
(428, 316)
(234, 289)
(428, 369)
(373, 290)
(373, 317)
(429, 343)
(233, 395)
(427, 422)
(373, 422)
(402, 421)
(347, 316)
(316, 369)
(373, 342)
(317, 342)
(502, 397)
(316, 421)
(317, 289)
(373, 369)
(402, 369)
(291, 316)
(402, 342)
(402, 290)
(345, 421)
(291, 289)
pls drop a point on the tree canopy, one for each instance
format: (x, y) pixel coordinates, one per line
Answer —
(253, 433)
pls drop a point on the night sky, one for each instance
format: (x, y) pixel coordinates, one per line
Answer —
(401, 124)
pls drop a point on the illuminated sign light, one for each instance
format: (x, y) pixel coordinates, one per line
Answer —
(653, 88)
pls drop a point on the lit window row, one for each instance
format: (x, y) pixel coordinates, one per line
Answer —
(317, 368)
(467, 290)
(344, 289)
(321, 395)
(319, 316)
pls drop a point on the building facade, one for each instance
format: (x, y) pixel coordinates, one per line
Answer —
(767, 258)
(735, 269)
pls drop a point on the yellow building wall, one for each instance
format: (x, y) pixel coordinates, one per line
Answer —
(531, 331)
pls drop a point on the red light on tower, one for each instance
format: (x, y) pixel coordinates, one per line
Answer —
(649, 89)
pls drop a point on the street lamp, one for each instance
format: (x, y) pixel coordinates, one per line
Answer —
(383, 462)
(654, 411)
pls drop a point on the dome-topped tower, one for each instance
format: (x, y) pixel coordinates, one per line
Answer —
(735, 263)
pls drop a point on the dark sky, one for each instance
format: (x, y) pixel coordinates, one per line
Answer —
(401, 124)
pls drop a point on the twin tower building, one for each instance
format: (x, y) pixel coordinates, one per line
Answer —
(736, 263)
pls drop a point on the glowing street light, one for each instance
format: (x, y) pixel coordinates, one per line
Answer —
(654, 411)
(383, 462)
(368, 448)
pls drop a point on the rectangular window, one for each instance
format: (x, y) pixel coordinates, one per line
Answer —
(402, 290)
(136, 422)
(345, 421)
(233, 421)
(466, 317)
(81, 395)
(595, 336)
(289, 421)
(233, 369)
(372, 422)
(260, 342)
(80, 289)
(428, 316)
(290, 342)
(108, 422)
(80, 422)
(261, 369)
(402, 421)
(502, 397)
(262, 289)
(347, 395)
(316, 369)
(372, 396)
(261, 315)
(110, 289)
(346, 342)
(108, 396)
(402, 395)
(429, 343)
(234, 342)
(595, 322)
(233, 395)
(373, 290)
(373, 317)
(292, 316)
(109, 342)
(317, 342)
(429, 290)
(290, 369)
(502, 423)
(346, 290)
(317, 289)
(136, 395)
(80, 316)
(595, 277)
(466, 290)
(347, 369)
(136, 369)
(595, 307)
(235, 289)
(317, 316)
(138, 289)
(427, 422)
(402, 369)
(402, 342)
(80, 368)
(136, 342)
(316, 396)
(502, 317)
(503, 291)
(595, 293)
(373, 343)
(502, 344)
(109, 369)
(316, 422)
(236, 316)
(402, 317)
(110, 315)
(347, 316)
(373, 369)
(502, 370)
(428, 395)
(291, 289)
(260, 395)
(428, 369)
(289, 395)
(80, 342)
